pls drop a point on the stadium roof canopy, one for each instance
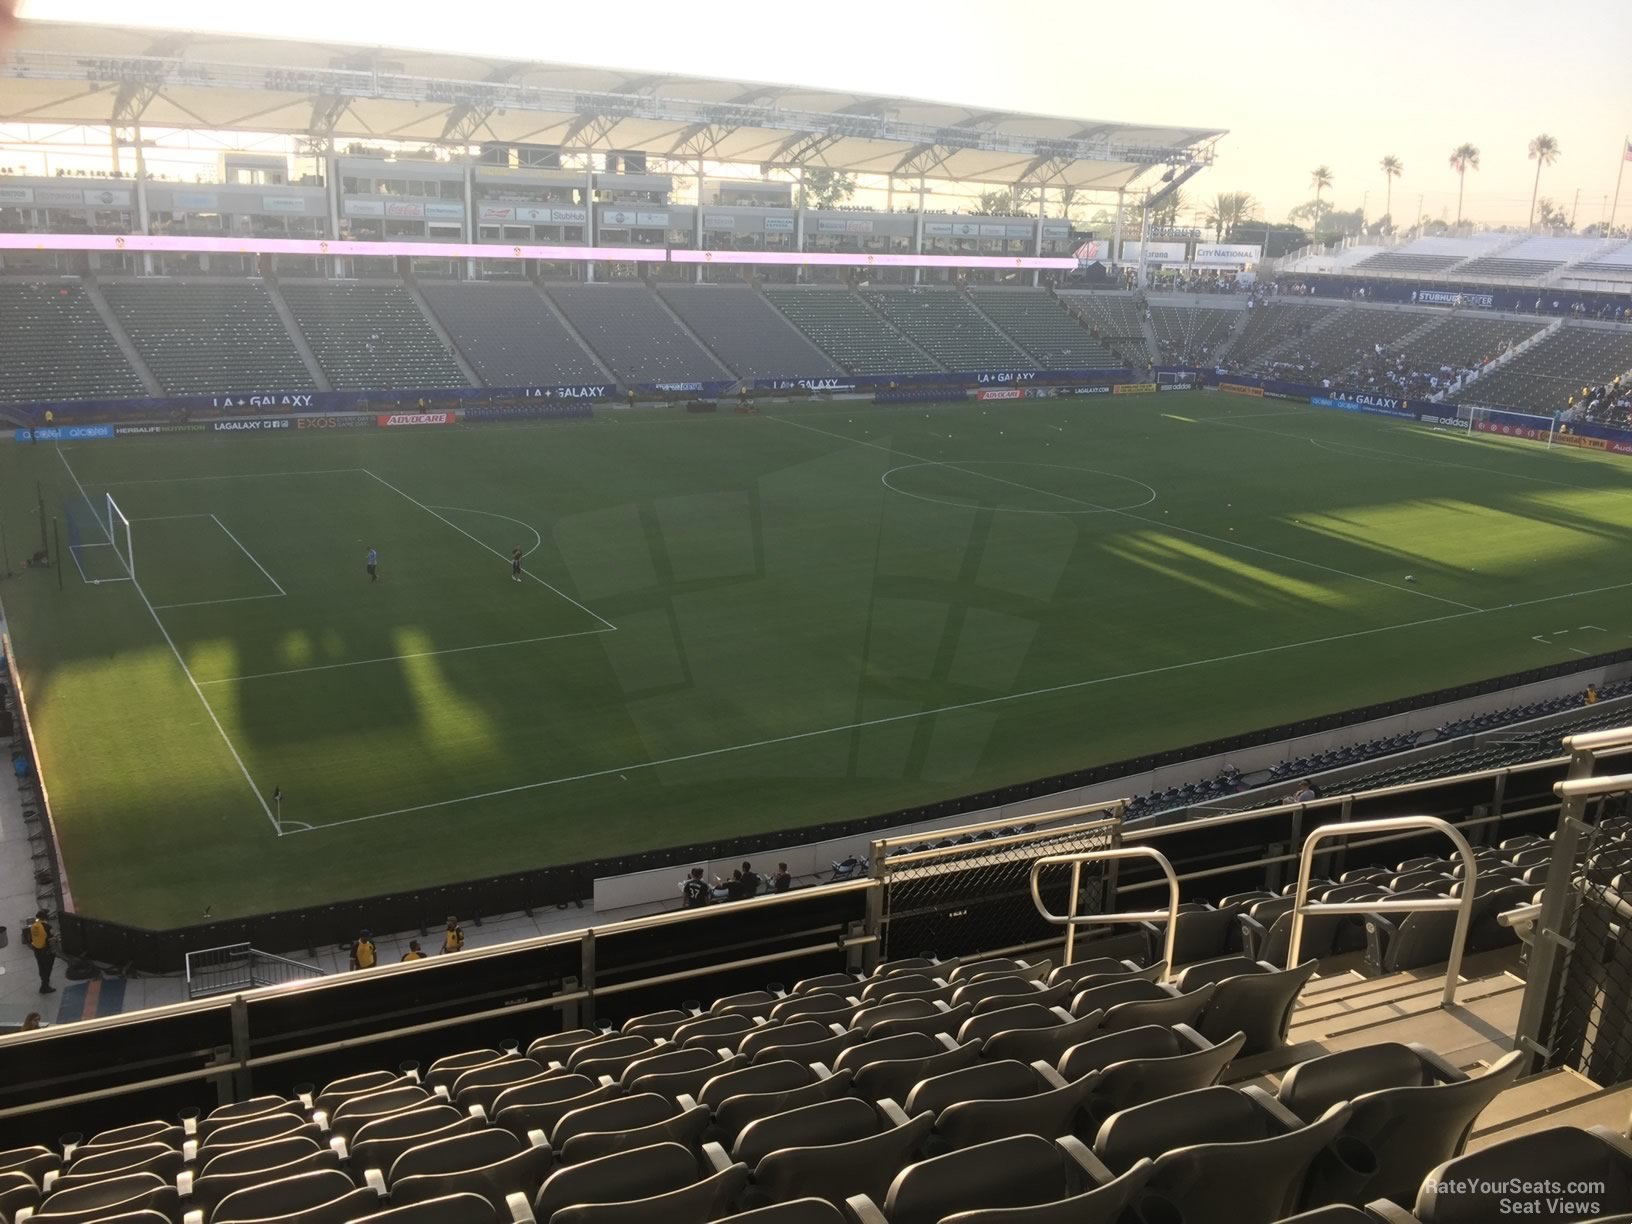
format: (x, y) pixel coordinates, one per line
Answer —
(59, 72)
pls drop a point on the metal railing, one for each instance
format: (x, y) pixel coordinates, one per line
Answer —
(1072, 919)
(1463, 905)
(236, 967)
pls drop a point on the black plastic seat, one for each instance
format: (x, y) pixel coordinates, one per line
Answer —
(1420, 938)
(624, 1176)
(1179, 1008)
(1251, 997)
(735, 1112)
(492, 1163)
(701, 1201)
(380, 1142)
(1018, 1171)
(1089, 972)
(837, 1171)
(448, 1209)
(932, 1023)
(1104, 1204)
(837, 1121)
(1202, 934)
(1042, 1044)
(112, 1196)
(324, 1197)
(1226, 1157)
(766, 1077)
(1405, 1130)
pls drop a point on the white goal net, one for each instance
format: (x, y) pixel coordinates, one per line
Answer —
(1504, 422)
(118, 529)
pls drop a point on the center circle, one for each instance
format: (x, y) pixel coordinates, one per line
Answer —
(1017, 487)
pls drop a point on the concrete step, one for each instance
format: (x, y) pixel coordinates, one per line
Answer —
(1478, 1029)
(1609, 1107)
(1534, 1097)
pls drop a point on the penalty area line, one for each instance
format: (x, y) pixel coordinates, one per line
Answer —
(418, 654)
(185, 670)
(1072, 686)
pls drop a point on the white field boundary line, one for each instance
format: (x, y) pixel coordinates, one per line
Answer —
(420, 654)
(1353, 450)
(1139, 518)
(210, 603)
(965, 705)
(185, 670)
(114, 484)
(502, 556)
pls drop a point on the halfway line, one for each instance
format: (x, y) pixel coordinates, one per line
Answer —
(1138, 518)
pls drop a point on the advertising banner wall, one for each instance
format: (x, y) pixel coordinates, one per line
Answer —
(395, 419)
(1136, 389)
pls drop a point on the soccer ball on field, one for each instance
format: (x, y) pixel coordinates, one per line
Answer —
(1410, 577)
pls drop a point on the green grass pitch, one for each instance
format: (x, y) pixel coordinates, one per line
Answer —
(739, 624)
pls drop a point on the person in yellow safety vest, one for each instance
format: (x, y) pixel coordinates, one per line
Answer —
(39, 942)
(363, 953)
(453, 939)
(413, 952)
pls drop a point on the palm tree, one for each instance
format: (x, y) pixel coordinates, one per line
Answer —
(1320, 178)
(1464, 157)
(1229, 209)
(1392, 167)
(1544, 152)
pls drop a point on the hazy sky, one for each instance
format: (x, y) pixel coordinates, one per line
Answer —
(1297, 82)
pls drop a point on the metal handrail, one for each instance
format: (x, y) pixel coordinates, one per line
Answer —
(1463, 905)
(1072, 919)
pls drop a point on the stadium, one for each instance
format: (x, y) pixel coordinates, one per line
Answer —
(564, 662)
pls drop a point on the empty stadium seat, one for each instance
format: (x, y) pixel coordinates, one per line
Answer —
(1405, 1124)
(58, 348)
(210, 336)
(509, 335)
(994, 1182)
(747, 333)
(634, 335)
(1252, 998)
(1222, 1155)
(370, 337)
(847, 331)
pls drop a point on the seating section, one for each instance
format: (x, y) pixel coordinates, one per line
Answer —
(1468, 341)
(1270, 325)
(927, 1092)
(1187, 336)
(57, 347)
(509, 336)
(1038, 323)
(1406, 261)
(1544, 378)
(1112, 315)
(948, 327)
(211, 336)
(842, 326)
(369, 337)
(1509, 269)
(746, 333)
(1349, 341)
(636, 338)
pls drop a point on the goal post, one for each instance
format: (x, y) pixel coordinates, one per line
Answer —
(1507, 423)
(118, 529)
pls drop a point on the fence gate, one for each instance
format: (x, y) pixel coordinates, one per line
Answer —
(971, 891)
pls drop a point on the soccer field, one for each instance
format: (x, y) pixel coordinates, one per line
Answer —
(734, 624)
